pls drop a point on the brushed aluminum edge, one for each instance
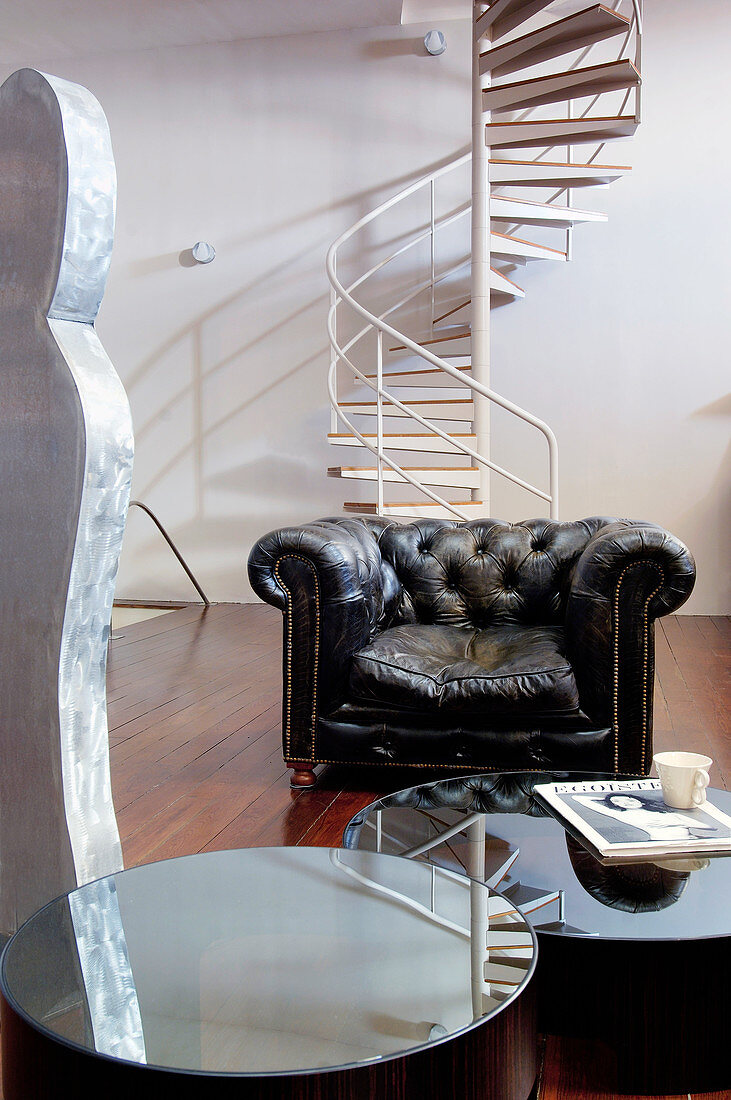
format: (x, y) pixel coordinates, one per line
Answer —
(109, 447)
(90, 212)
(90, 815)
(109, 983)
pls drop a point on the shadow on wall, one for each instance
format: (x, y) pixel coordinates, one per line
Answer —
(397, 47)
(704, 517)
(190, 342)
(228, 407)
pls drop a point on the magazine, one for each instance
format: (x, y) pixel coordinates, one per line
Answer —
(628, 818)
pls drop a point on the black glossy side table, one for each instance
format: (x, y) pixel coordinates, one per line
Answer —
(272, 973)
(636, 955)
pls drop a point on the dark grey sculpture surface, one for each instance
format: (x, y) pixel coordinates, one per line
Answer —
(66, 451)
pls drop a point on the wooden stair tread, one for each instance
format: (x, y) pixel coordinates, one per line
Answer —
(454, 309)
(449, 477)
(420, 401)
(558, 131)
(505, 172)
(562, 164)
(503, 285)
(431, 443)
(516, 246)
(411, 470)
(526, 211)
(453, 409)
(563, 36)
(411, 373)
(435, 340)
(504, 15)
(570, 84)
(400, 435)
(499, 199)
(372, 509)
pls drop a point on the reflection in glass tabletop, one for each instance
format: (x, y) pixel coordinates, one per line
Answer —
(270, 960)
(550, 876)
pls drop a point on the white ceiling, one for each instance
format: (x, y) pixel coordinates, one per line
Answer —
(427, 11)
(51, 29)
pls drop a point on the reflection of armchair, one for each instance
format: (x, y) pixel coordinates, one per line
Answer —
(632, 887)
(504, 793)
(470, 645)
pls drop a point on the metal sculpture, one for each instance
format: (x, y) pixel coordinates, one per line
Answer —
(66, 450)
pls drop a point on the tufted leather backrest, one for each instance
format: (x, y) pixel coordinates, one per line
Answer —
(473, 574)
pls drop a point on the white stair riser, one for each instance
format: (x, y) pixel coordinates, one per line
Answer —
(421, 378)
(447, 336)
(416, 444)
(505, 173)
(515, 248)
(499, 283)
(574, 84)
(455, 479)
(411, 361)
(433, 511)
(524, 135)
(460, 410)
(564, 36)
(537, 213)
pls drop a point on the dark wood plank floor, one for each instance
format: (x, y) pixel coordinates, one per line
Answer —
(194, 716)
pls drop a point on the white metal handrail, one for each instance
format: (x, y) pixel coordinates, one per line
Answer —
(426, 423)
(343, 294)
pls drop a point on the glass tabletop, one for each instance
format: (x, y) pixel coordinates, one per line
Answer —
(269, 960)
(548, 874)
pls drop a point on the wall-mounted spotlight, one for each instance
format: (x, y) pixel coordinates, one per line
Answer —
(435, 43)
(203, 252)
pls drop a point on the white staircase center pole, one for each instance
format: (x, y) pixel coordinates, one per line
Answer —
(480, 268)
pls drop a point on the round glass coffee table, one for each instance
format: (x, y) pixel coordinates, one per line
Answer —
(637, 955)
(272, 972)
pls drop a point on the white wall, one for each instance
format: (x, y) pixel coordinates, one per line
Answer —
(269, 148)
(626, 351)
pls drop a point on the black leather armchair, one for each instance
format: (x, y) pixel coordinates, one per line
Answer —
(480, 645)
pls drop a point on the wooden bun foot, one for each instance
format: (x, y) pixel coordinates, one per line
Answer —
(302, 776)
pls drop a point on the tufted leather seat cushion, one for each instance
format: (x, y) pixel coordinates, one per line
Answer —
(505, 669)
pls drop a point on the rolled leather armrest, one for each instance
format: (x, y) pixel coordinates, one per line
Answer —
(327, 585)
(628, 575)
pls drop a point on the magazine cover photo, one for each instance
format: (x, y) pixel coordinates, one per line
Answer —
(632, 816)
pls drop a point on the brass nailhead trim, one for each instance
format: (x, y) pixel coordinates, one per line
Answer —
(466, 768)
(368, 763)
(288, 620)
(645, 659)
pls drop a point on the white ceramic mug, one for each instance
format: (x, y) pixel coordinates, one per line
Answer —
(684, 778)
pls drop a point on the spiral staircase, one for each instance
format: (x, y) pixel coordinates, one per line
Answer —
(410, 336)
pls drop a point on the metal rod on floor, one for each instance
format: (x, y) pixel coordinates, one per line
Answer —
(173, 547)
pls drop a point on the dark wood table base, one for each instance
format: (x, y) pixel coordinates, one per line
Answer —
(663, 1007)
(497, 1061)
